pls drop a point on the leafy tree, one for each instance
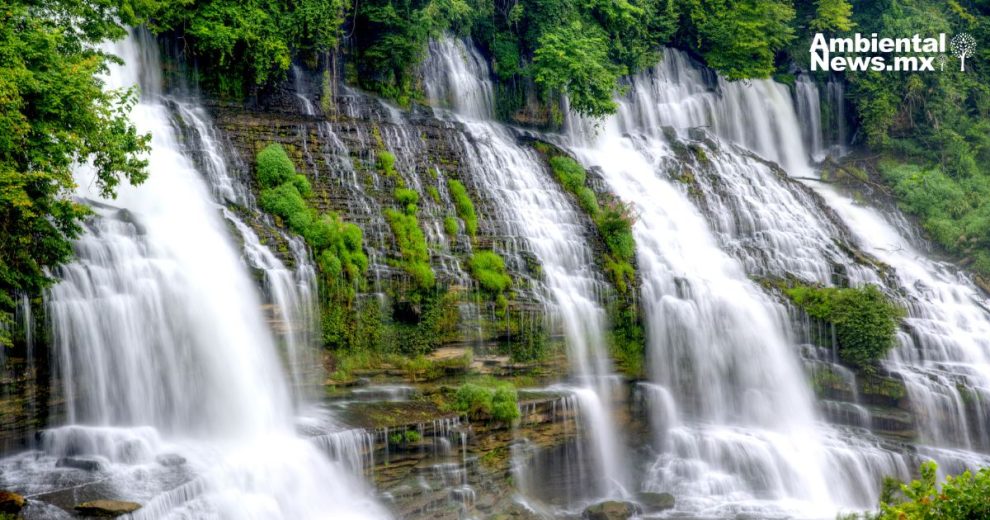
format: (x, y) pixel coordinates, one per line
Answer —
(739, 38)
(960, 497)
(573, 60)
(55, 112)
(832, 15)
(251, 42)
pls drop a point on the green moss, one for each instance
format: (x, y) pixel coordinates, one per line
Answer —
(570, 174)
(499, 402)
(488, 268)
(433, 192)
(286, 202)
(464, 206)
(274, 166)
(613, 220)
(865, 320)
(588, 200)
(385, 163)
(450, 225)
(410, 239)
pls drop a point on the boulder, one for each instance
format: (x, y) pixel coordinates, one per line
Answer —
(11, 503)
(107, 508)
(170, 459)
(79, 463)
(610, 510)
(654, 502)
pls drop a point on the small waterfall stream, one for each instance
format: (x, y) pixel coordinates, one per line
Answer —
(457, 77)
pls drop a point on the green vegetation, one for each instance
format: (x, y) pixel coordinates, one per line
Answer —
(958, 498)
(336, 245)
(488, 268)
(404, 437)
(464, 206)
(497, 402)
(410, 239)
(244, 45)
(385, 162)
(54, 113)
(450, 225)
(614, 220)
(953, 210)
(865, 320)
(933, 128)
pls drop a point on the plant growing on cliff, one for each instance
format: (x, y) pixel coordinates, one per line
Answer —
(410, 239)
(464, 206)
(498, 402)
(488, 268)
(865, 320)
(337, 245)
(54, 114)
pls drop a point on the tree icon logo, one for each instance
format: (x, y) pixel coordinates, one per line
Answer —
(942, 58)
(963, 45)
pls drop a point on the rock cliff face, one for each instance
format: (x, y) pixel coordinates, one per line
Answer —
(340, 150)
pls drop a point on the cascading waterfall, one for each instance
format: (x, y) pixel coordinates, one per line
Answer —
(770, 226)
(945, 357)
(291, 294)
(457, 77)
(739, 431)
(166, 359)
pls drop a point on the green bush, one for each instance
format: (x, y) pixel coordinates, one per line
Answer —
(386, 163)
(961, 497)
(570, 174)
(274, 166)
(865, 319)
(434, 193)
(615, 225)
(450, 225)
(405, 196)
(488, 268)
(498, 402)
(412, 246)
(588, 200)
(464, 206)
(302, 184)
(285, 201)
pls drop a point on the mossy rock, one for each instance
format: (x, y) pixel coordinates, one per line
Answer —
(107, 508)
(611, 510)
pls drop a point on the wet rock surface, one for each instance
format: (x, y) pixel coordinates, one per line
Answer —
(106, 508)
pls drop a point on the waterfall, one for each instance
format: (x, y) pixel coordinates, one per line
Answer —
(741, 432)
(714, 212)
(165, 356)
(534, 207)
(808, 110)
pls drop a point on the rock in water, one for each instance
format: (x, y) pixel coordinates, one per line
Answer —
(610, 510)
(79, 463)
(654, 502)
(170, 459)
(11, 503)
(107, 508)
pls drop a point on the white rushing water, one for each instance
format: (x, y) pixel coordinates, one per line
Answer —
(166, 358)
(740, 431)
(531, 203)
